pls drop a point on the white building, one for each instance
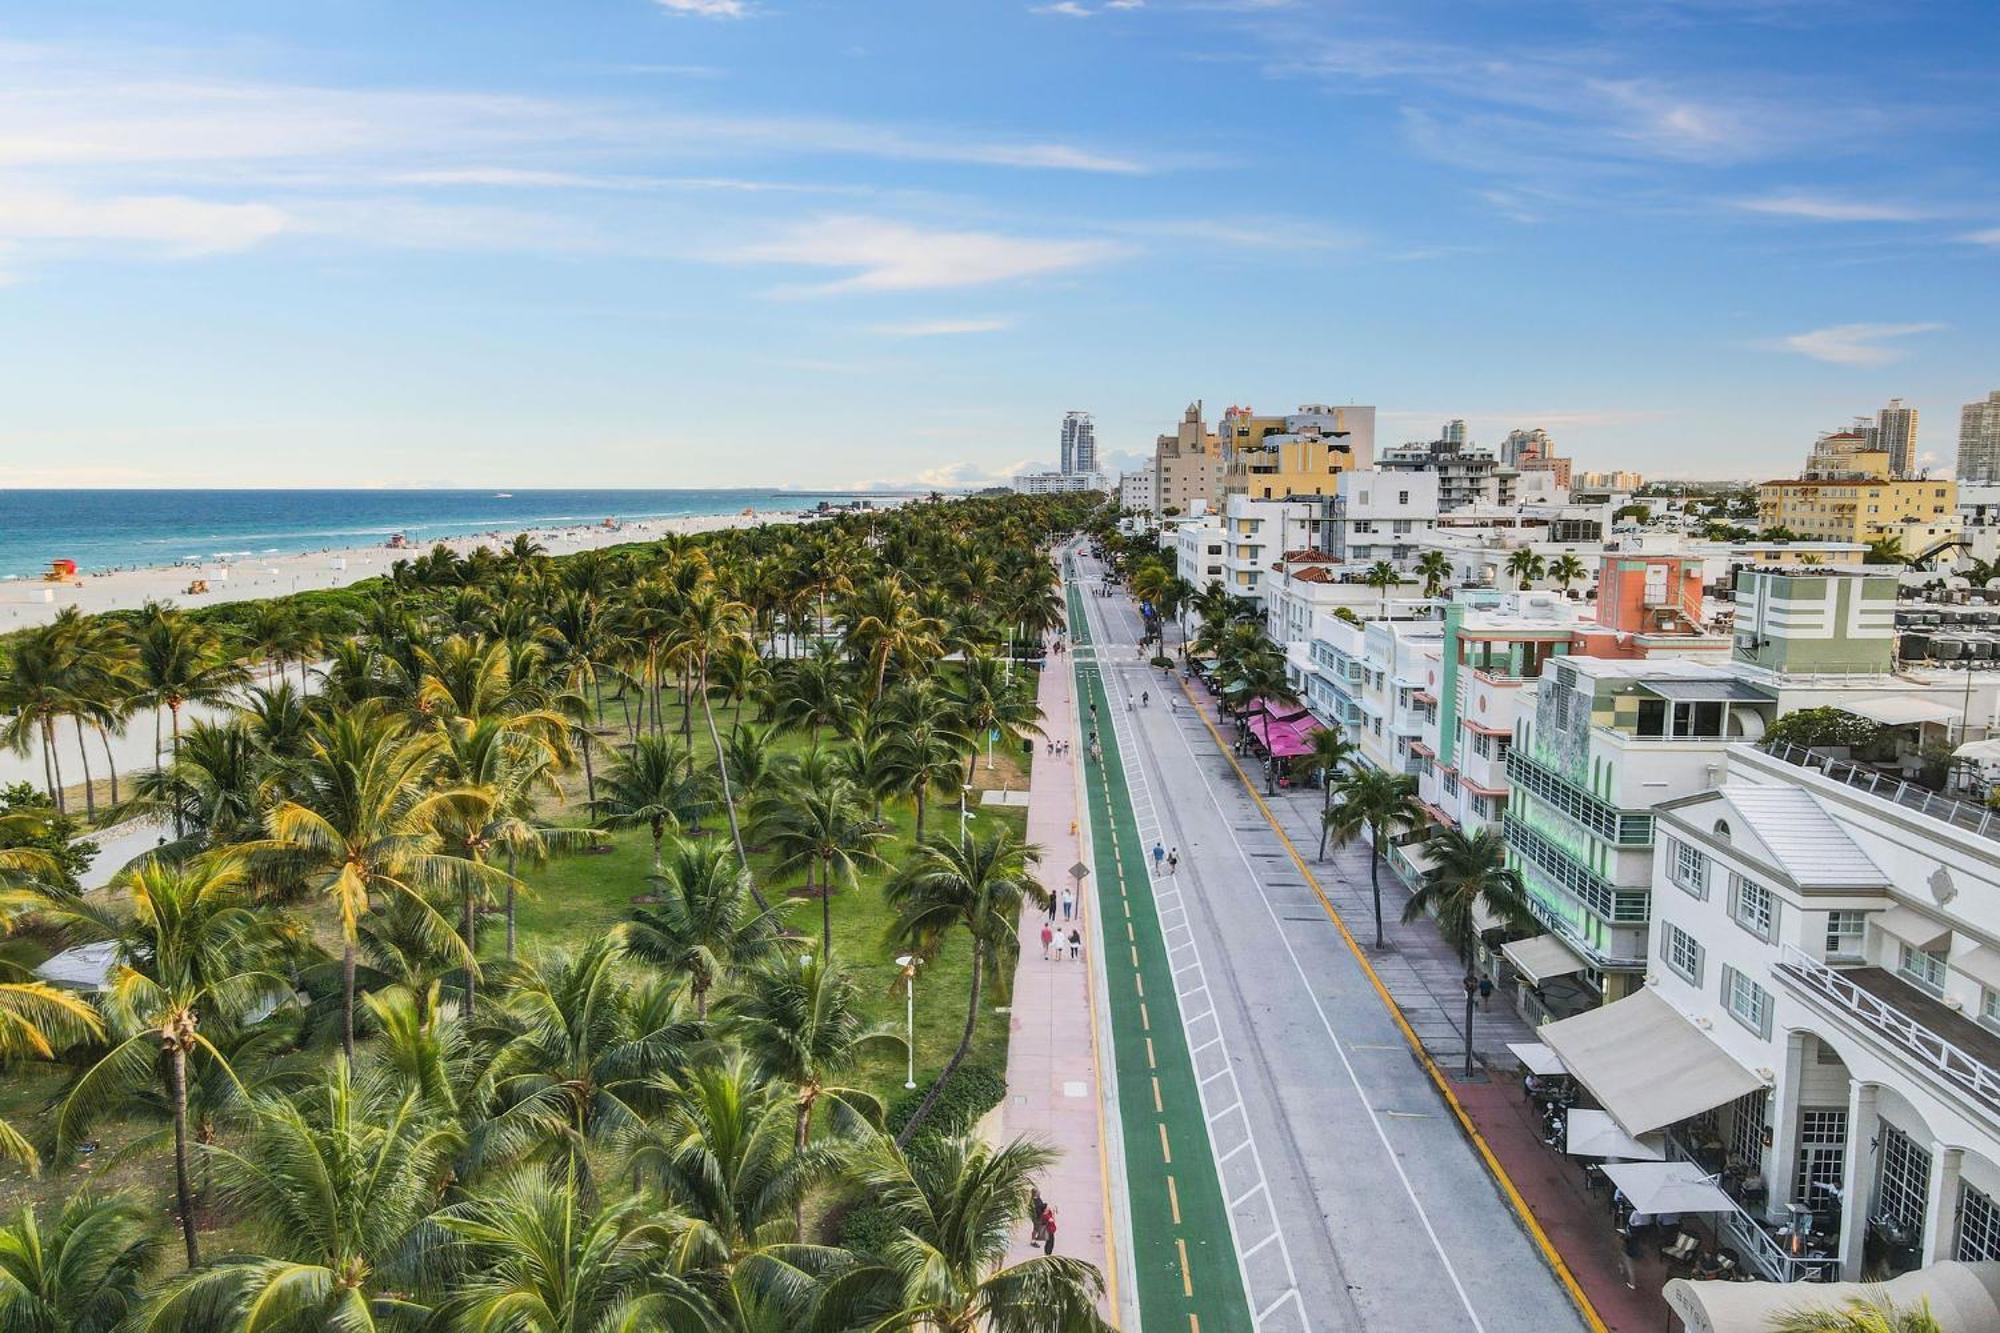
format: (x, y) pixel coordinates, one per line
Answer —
(1059, 483)
(1135, 491)
(1079, 443)
(1376, 515)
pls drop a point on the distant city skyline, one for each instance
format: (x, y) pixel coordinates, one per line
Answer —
(727, 242)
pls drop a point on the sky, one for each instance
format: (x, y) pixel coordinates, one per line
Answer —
(797, 242)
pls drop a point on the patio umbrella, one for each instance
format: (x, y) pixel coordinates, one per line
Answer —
(1537, 1059)
(1668, 1187)
(1595, 1134)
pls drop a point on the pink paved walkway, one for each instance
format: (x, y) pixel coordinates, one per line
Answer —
(1052, 1089)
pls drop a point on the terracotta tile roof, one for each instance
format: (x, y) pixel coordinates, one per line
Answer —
(1308, 555)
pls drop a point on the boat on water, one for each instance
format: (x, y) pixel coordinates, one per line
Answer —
(503, 495)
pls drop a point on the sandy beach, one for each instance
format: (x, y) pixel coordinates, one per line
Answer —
(25, 602)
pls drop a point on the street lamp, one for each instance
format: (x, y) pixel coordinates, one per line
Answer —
(1471, 984)
(964, 818)
(908, 962)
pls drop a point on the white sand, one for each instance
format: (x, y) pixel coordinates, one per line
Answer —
(26, 602)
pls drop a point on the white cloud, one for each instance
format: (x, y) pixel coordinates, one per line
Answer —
(1991, 236)
(1854, 344)
(941, 328)
(707, 9)
(1125, 4)
(888, 256)
(175, 224)
(1824, 208)
(1068, 9)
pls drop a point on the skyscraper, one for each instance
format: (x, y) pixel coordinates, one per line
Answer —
(1896, 435)
(1979, 440)
(1454, 433)
(1079, 443)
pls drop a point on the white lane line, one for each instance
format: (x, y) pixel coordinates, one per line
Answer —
(1262, 1243)
(1238, 1106)
(1247, 1195)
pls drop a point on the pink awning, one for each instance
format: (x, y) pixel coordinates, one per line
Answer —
(1288, 739)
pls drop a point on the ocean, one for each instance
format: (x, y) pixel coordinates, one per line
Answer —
(103, 530)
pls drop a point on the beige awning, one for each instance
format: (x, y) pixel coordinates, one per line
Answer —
(1912, 928)
(1646, 1063)
(1543, 958)
(1977, 961)
(1959, 1296)
(1898, 710)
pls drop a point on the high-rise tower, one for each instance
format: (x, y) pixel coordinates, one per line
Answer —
(1896, 435)
(1079, 443)
(1979, 440)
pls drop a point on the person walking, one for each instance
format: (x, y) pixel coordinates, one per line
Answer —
(1048, 938)
(1048, 1229)
(1145, 698)
(1037, 1205)
(1075, 944)
(1159, 855)
(1068, 905)
(1173, 862)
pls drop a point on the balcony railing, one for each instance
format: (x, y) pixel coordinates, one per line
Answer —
(1961, 814)
(1759, 1248)
(1609, 901)
(1619, 827)
(1953, 1063)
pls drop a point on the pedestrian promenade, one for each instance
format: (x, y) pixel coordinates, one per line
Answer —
(1052, 1071)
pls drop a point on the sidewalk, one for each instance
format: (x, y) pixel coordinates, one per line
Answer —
(1052, 1082)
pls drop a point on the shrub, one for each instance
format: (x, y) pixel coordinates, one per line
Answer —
(866, 1227)
(973, 1091)
(1163, 662)
(1823, 726)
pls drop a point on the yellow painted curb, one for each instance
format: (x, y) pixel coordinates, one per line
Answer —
(1499, 1172)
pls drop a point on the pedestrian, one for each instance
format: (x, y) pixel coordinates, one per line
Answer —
(1172, 706)
(1159, 854)
(1048, 1230)
(1145, 698)
(1629, 1253)
(1037, 1205)
(1174, 861)
(1048, 938)
(1130, 705)
(1068, 905)
(1097, 752)
(1075, 943)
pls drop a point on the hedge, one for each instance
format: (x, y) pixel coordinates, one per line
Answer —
(973, 1091)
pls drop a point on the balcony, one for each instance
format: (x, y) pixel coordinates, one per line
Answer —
(1622, 906)
(1620, 828)
(1941, 1043)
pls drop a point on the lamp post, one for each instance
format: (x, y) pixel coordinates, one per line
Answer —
(964, 819)
(1471, 984)
(908, 962)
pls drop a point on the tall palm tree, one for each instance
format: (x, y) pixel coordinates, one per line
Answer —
(191, 948)
(179, 662)
(883, 626)
(656, 784)
(1383, 577)
(928, 739)
(1526, 566)
(1861, 1314)
(362, 819)
(820, 828)
(800, 1022)
(1331, 752)
(1567, 570)
(337, 1181)
(1376, 803)
(1469, 872)
(214, 790)
(701, 923)
(709, 626)
(581, 1049)
(812, 691)
(988, 700)
(86, 1274)
(1434, 568)
(977, 885)
(536, 1258)
(957, 1203)
(36, 1021)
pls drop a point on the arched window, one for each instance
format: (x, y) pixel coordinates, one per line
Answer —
(1722, 829)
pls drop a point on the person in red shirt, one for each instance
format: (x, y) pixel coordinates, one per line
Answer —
(1048, 1230)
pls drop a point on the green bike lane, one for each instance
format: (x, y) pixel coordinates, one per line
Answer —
(1183, 1252)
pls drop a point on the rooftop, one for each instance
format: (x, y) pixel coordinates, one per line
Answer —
(1793, 830)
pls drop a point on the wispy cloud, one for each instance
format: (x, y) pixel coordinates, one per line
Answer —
(707, 9)
(940, 328)
(1991, 236)
(889, 256)
(1068, 9)
(1863, 345)
(175, 225)
(1826, 208)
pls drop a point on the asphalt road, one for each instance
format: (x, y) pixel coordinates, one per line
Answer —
(1355, 1200)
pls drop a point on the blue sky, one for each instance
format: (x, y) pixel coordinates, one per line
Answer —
(714, 242)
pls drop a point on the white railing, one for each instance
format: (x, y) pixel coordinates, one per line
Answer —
(1960, 814)
(1955, 1064)
(1759, 1248)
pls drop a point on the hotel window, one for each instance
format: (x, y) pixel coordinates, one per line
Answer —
(1844, 932)
(1752, 906)
(1922, 967)
(1482, 745)
(1822, 1157)
(1978, 1227)
(1682, 952)
(1906, 1179)
(1747, 1002)
(1687, 867)
(1450, 782)
(1482, 808)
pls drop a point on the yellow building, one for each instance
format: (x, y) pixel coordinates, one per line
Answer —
(1862, 503)
(1187, 467)
(1270, 458)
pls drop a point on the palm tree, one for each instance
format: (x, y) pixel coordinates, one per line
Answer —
(1382, 576)
(1526, 566)
(882, 625)
(1567, 570)
(957, 1203)
(581, 1050)
(978, 884)
(192, 948)
(37, 1020)
(536, 1259)
(337, 1181)
(85, 1275)
(928, 741)
(711, 625)
(1434, 567)
(1469, 872)
(215, 789)
(700, 923)
(1886, 550)
(655, 783)
(1861, 1314)
(989, 701)
(1376, 803)
(179, 663)
(819, 827)
(800, 1022)
(812, 691)
(1330, 753)
(363, 821)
